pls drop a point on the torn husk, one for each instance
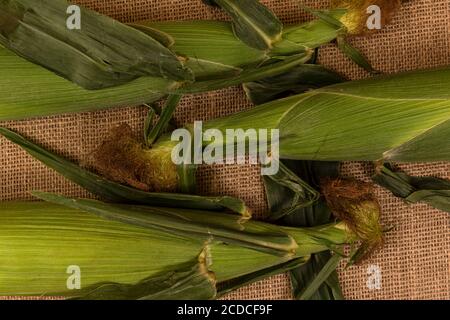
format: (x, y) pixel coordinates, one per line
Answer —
(353, 202)
(124, 159)
(359, 12)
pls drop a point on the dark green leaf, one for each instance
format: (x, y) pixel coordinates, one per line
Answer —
(164, 119)
(311, 172)
(430, 190)
(115, 192)
(101, 53)
(253, 23)
(296, 193)
(354, 54)
(327, 270)
(328, 16)
(305, 274)
(297, 80)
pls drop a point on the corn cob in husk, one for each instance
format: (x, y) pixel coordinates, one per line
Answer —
(141, 62)
(403, 117)
(122, 250)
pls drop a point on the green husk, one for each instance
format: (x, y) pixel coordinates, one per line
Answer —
(114, 192)
(191, 282)
(184, 222)
(430, 190)
(382, 118)
(303, 78)
(236, 283)
(101, 54)
(354, 54)
(253, 23)
(42, 92)
(210, 50)
(166, 115)
(124, 255)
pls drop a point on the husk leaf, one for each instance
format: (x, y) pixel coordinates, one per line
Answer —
(253, 23)
(102, 53)
(431, 190)
(115, 192)
(382, 118)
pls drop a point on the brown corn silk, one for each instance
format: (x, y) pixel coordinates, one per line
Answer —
(415, 258)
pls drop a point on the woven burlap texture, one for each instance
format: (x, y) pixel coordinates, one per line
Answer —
(414, 262)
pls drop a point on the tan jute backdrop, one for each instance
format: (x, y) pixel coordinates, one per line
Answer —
(414, 262)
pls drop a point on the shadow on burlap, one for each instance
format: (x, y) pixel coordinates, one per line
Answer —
(415, 259)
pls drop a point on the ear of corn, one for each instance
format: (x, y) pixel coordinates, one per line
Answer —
(39, 241)
(402, 117)
(115, 192)
(210, 50)
(136, 246)
(44, 93)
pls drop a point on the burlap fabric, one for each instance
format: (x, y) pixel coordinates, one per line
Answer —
(414, 262)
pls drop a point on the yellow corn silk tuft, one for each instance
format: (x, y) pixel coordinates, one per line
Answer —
(354, 202)
(124, 159)
(357, 16)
